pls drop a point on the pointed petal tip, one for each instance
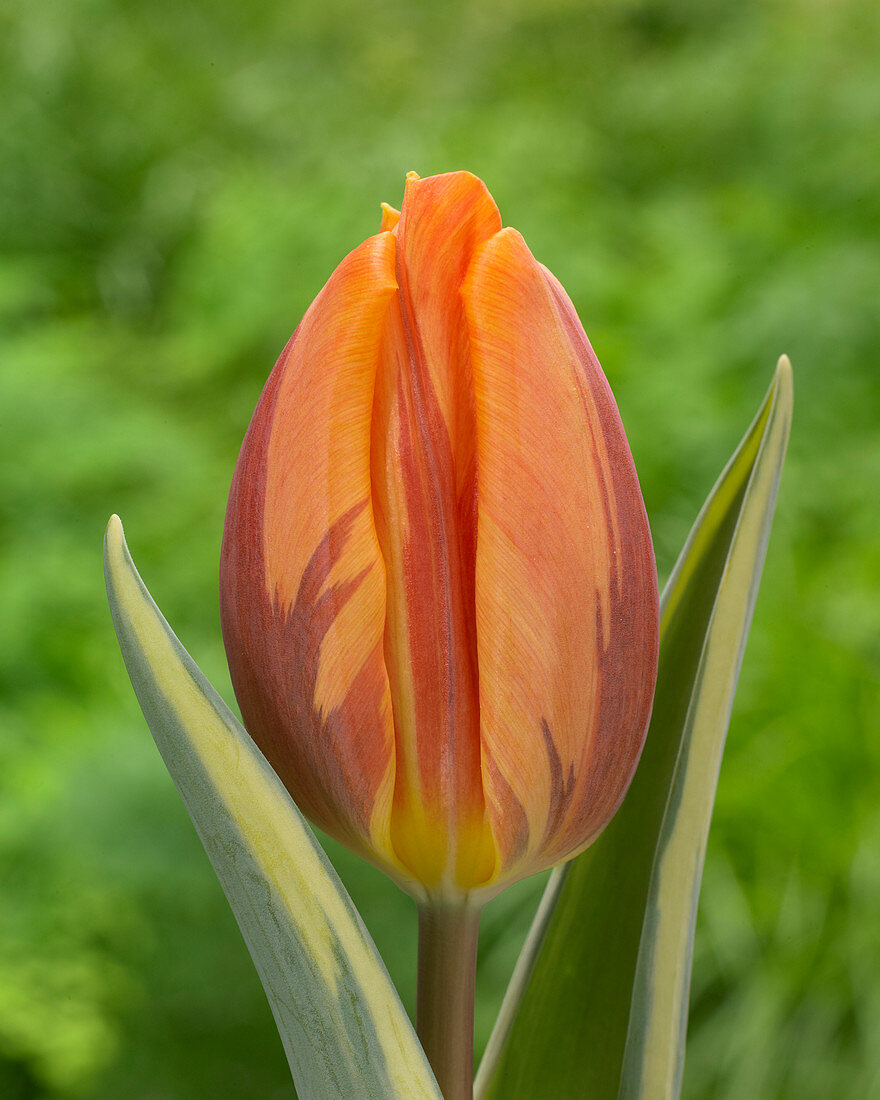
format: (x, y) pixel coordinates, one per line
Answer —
(507, 241)
(390, 217)
(508, 237)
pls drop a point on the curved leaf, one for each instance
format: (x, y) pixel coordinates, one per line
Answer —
(344, 1029)
(597, 1006)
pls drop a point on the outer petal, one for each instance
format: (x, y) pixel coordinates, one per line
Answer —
(302, 579)
(424, 480)
(566, 587)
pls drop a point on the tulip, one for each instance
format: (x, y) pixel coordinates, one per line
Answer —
(438, 591)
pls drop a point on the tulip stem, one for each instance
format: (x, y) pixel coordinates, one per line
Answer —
(447, 973)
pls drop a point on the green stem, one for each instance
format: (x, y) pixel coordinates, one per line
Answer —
(445, 1016)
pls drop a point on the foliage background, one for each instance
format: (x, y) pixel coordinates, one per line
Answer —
(178, 179)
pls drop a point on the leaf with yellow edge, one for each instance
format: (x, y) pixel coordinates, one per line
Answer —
(343, 1027)
(597, 1006)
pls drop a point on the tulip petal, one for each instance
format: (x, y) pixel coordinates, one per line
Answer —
(566, 588)
(302, 578)
(424, 490)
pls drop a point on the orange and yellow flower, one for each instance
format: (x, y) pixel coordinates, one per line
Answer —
(438, 591)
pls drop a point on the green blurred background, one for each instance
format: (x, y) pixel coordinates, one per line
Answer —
(179, 177)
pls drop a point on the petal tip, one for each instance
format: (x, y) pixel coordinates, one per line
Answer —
(390, 217)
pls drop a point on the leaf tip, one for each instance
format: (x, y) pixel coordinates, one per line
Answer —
(783, 389)
(784, 377)
(115, 549)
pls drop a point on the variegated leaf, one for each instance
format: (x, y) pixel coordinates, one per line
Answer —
(343, 1027)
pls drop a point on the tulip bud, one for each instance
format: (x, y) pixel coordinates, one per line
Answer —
(438, 591)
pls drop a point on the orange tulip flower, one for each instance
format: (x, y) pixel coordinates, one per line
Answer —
(438, 591)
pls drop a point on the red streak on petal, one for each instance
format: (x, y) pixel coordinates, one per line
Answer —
(329, 762)
(424, 480)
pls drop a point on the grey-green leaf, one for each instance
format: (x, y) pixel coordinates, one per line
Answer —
(343, 1027)
(597, 1007)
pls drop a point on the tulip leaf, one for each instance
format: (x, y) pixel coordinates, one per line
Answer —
(343, 1027)
(597, 1006)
